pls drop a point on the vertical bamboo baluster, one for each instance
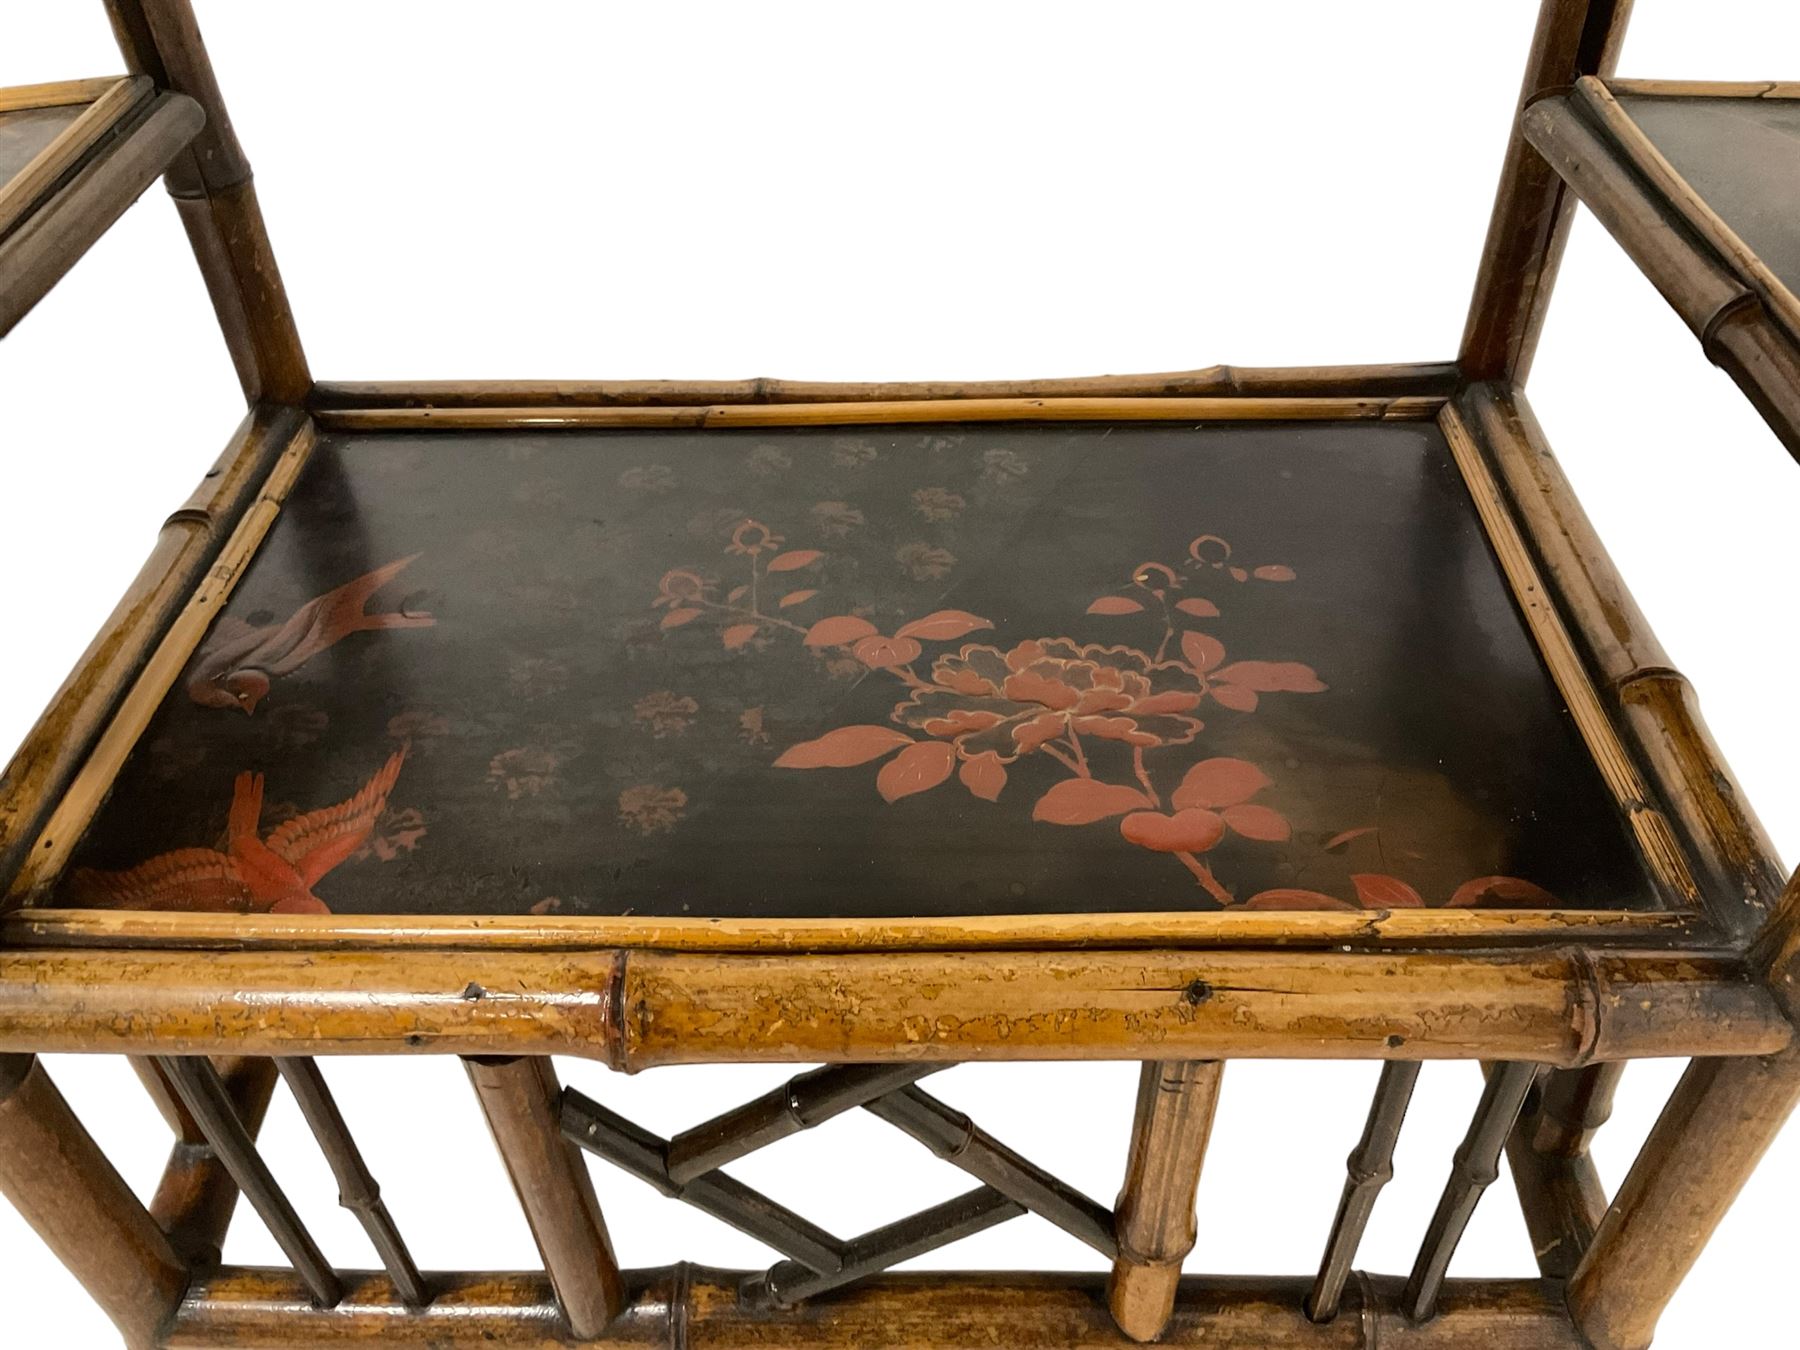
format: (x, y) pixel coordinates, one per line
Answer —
(204, 1094)
(520, 1097)
(212, 187)
(1477, 1167)
(1155, 1212)
(63, 1185)
(1719, 1121)
(357, 1189)
(1559, 1188)
(196, 1196)
(1371, 1167)
(1532, 211)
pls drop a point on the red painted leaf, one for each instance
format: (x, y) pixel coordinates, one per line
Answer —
(737, 594)
(1258, 822)
(1115, 604)
(1274, 572)
(1220, 782)
(676, 617)
(794, 559)
(1239, 574)
(918, 768)
(842, 748)
(984, 775)
(838, 631)
(944, 626)
(1192, 831)
(1234, 696)
(1273, 677)
(1502, 893)
(738, 634)
(1203, 651)
(1082, 801)
(796, 598)
(878, 653)
(1343, 837)
(1200, 609)
(1287, 898)
(1376, 890)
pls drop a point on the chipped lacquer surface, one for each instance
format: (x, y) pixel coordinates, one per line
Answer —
(866, 671)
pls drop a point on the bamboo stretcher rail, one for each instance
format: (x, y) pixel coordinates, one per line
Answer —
(1421, 928)
(1369, 381)
(1155, 1219)
(521, 1100)
(64, 1187)
(1561, 1007)
(1736, 863)
(1532, 212)
(58, 743)
(690, 1308)
(1408, 408)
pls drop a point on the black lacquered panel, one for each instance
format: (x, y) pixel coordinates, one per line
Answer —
(867, 671)
(1742, 155)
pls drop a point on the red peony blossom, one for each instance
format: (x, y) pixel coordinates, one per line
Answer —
(1009, 703)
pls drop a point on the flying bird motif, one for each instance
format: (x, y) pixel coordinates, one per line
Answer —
(235, 669)
(274, 875)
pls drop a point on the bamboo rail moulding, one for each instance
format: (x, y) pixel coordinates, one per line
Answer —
(1426, 379)
(108, 108)
(1438, 929)
(1561, 1007)
(689, 1307)
(1409, 408)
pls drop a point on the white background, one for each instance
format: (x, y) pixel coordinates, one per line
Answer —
(895, 191)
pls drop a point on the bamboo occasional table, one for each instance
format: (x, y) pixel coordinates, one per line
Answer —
(1170, 718)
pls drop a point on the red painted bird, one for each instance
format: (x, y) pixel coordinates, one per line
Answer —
(253, 875)
(235, 668)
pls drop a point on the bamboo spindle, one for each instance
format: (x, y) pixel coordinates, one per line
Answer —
(63, 1185)
(521, 1099)
(1154, 1217)
(1559, 1188)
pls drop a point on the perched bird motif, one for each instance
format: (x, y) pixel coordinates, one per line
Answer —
(235, 668)
(254, 875)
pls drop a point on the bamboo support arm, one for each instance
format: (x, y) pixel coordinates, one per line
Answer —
(1558, 1185)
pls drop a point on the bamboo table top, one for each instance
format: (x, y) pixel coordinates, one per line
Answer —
(1742, 155)
(866, 672)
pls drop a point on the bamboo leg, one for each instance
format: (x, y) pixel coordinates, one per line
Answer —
(212, 187)
(1155, 1213)
(57, 1178)
(1559, 1188)
(521, 1099)
(195, 1199)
